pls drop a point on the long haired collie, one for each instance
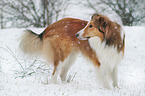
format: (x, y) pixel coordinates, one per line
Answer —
(59, 45)
(107, 39)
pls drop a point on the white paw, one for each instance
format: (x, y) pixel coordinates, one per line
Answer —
(53, 80)
(44, 81)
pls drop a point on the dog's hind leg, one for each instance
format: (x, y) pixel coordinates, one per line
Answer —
(54, 76)
(57, 67)
(70, 61)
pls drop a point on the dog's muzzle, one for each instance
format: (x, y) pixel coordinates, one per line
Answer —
(80, 37)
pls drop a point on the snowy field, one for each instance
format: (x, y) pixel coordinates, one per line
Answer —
(23, 76)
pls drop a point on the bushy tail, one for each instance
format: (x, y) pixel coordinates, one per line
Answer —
(31, 43)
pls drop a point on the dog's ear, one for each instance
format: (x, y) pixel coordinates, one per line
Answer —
(94, 16)
(99, 21)
(102, 24)
(106, 27)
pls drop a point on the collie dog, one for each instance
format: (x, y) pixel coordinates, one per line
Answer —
(59, 45)
(107, 39)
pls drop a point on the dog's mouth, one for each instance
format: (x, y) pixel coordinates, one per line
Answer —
(88, 37)
(81, 38)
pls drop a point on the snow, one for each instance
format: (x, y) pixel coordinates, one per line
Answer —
(131, 70)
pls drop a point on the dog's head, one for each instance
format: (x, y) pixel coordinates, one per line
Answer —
(107, 30)
(102, 27)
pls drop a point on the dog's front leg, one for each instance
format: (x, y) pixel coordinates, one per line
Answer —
(115, 77)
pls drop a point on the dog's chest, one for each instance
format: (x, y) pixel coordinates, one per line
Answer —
(108, 55)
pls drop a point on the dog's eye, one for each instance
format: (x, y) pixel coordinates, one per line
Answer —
(91, 26)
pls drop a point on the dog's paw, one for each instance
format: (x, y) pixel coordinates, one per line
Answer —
(44, 80)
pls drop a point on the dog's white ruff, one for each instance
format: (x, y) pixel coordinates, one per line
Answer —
(109, 59)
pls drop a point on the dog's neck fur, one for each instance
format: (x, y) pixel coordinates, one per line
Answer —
(108, 55)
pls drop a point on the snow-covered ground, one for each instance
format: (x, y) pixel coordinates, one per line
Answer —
(23, 76)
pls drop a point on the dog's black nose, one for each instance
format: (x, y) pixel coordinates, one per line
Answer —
(77, 35)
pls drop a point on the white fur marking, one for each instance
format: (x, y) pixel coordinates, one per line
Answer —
(109, 59)
(67, 65)
(64, 67)
(122, 33)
